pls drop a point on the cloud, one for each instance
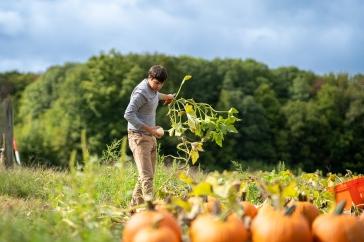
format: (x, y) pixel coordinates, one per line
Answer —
(321, 36)
(10, 23)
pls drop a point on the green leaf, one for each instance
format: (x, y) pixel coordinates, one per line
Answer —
(202, 189)
(184, 178)
(189, 109)
(197, 146)
(217, 136)
(194, 156)
(290, 191)
(183, 204)
(273, 188)
(232, 111)
(232, 129)
(178, 129)
(233, 194)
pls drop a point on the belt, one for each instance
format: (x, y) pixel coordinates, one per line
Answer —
(138, 132)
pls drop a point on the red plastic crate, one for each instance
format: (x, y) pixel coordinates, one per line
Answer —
(352, 191)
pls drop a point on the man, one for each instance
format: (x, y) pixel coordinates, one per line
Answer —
(142, 130)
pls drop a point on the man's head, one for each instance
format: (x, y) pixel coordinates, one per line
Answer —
(157, 74)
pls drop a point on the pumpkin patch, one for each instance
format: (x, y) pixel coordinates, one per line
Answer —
(224, 214)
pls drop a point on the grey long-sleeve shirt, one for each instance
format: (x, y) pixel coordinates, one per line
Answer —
(142, 106)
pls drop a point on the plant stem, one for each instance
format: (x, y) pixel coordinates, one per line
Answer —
(179, 89)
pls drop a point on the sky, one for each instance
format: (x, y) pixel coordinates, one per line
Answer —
(318, 35)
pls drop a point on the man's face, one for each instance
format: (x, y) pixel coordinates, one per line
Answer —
(155, 84)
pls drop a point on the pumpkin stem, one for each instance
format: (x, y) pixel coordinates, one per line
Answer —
(168, 199)
(302, 197)
(216, 208)
(243, 196)
(286, 202)
(276, 203)
(150, 205)
(290, 210)
(340, 207)
(225, 215)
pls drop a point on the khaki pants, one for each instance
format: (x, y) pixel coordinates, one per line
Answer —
(144, 148)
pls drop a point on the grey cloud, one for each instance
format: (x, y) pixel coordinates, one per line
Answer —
(321, 36)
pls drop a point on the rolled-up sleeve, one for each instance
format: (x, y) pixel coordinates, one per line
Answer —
(136, 101)
(161, 96)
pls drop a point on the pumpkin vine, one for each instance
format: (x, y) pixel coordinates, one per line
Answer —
(195, 123)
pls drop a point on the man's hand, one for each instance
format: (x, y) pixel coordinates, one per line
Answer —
(168, 98)
(160, 131)
(155, 131)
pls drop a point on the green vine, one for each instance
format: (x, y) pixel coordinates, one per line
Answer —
(196, 123)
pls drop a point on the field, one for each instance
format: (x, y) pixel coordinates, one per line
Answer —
(90, 203)
(48, 205)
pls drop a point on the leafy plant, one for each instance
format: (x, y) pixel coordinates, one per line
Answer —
(115, 152)
(195, 123)
(76, 202)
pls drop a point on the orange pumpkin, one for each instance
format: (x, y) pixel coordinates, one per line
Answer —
(146, 219)
(274, 226)
(249, 209)
(337, 227)
(265, 208)
(361, 217)
(156, 234)
(210, 228)
(307, 210)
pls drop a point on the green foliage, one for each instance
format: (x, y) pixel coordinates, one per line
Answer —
(276, 187)
(29, 183)
(202, 121)
(308, 120)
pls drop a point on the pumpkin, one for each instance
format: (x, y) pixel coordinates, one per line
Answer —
(155, 234)
(307, 210)
(361, 217)
(274, 226)
(265, 208)
(249, 209)
(337, 227)
(212, 228)
(146, 219)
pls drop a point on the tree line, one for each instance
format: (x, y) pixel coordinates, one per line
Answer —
(307, 120)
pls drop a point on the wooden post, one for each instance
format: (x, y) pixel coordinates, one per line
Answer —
(6, 130)
(2, 134)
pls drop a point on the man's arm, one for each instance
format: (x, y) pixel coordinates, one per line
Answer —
(136, 101)
(167, 98)
(152, 130)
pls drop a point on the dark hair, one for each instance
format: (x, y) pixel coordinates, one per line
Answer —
(158, 72)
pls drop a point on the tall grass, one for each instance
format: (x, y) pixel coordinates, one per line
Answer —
(29, 182)
(86, 204)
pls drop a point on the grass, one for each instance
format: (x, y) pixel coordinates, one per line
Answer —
(91, 203)
(29, 182)
(36, 204)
